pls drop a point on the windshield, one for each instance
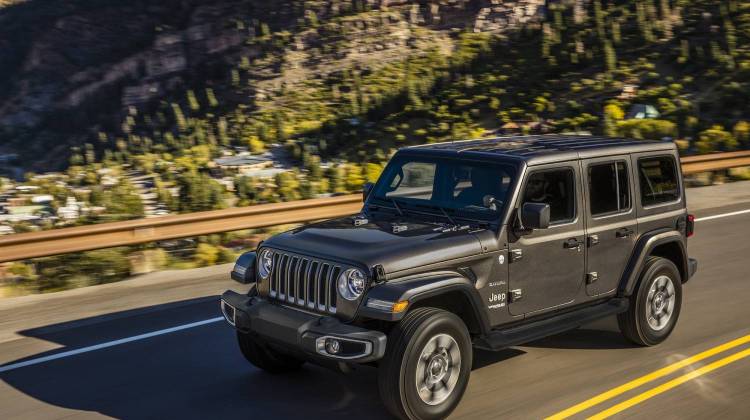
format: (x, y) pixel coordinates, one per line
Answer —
(463, 188)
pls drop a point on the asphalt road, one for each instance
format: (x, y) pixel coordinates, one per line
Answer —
(198, 372)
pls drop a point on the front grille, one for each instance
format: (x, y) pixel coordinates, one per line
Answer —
(304, 282)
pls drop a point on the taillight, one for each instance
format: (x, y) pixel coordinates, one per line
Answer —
(690, 226)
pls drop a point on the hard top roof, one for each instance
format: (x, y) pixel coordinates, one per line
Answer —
(546, 148)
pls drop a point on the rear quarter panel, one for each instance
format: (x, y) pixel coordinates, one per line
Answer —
(656, 219)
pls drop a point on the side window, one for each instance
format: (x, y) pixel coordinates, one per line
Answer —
(608, 188)
(658, 180)
(556, 188)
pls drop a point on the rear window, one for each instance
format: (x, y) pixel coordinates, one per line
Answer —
(658, 179)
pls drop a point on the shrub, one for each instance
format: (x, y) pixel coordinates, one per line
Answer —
(741, 131)
(715, 138)
(206, 254)
(647, 129)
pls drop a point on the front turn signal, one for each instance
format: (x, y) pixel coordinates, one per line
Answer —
(400, 306)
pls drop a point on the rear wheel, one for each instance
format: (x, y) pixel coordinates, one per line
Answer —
(263, 357)
(655, 305)
(426, 366)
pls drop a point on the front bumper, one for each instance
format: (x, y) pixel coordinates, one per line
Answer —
(301, 332)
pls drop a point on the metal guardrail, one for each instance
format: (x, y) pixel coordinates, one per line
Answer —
(85, 238)
(132, 232)
(715, 162)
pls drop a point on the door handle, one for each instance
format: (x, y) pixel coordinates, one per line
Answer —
(624, 232)
(571, 243)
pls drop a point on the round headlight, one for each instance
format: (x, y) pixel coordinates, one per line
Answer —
(265, 263)
(351, 284)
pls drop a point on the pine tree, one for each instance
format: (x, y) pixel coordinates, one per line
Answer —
(643, 22)
(193, 101)
(666, 19)
(336, 177)
(610, 57)
(278, 120)
(599, 19)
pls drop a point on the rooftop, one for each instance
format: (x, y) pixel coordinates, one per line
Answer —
(265, 173)
(545, 148)
(240, 160)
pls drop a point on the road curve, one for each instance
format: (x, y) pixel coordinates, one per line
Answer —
(198, 372)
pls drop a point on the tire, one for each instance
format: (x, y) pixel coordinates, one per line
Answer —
(260, 355)
(658, 295)
(425, 337)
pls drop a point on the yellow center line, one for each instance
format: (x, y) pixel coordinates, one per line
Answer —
(669, 385)
(648, 378)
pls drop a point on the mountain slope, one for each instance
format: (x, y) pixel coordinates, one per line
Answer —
(144, 73)
(354, 79)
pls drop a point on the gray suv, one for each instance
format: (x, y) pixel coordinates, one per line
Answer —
(481, 243)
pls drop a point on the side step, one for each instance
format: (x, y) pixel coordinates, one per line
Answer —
(534, 330)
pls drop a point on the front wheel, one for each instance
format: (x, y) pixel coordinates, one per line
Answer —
(426, 366)
(655, 305)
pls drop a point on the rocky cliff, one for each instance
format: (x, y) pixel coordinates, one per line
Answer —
(74, 69)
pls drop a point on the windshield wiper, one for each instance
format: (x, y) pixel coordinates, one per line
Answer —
(447, 216)
(391, 201)
(396, 206)
(442, 210)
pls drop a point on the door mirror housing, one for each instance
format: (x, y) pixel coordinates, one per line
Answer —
(535, 216)
(366, 189)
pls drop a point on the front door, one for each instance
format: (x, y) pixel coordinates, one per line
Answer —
(547, 266)
(611, 222)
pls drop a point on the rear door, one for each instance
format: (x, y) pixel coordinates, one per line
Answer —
(611, 221)
(547, 266)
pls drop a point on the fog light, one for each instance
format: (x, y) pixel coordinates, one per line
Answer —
(333, 346)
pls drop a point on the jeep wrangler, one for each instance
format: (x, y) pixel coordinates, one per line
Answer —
(482, 243)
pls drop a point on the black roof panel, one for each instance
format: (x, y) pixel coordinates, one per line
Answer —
(546, 148)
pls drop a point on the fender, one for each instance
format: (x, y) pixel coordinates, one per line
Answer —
(244, 268)
(643, 248)
(419, 287)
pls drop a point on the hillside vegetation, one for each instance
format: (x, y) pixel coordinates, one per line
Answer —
(120, 90)
(355, 79)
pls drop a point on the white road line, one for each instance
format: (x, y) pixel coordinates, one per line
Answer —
(719, 216)
(107, 344)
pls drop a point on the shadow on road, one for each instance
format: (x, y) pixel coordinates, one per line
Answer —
(199, 373)
(584, 339)
(599, 335)
(196, 373)
(483, 358)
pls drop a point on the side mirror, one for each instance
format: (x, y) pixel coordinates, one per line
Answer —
(366, 189)
(535, 215)
(244, 269)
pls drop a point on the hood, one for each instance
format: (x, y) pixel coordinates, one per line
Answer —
(412, 244)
